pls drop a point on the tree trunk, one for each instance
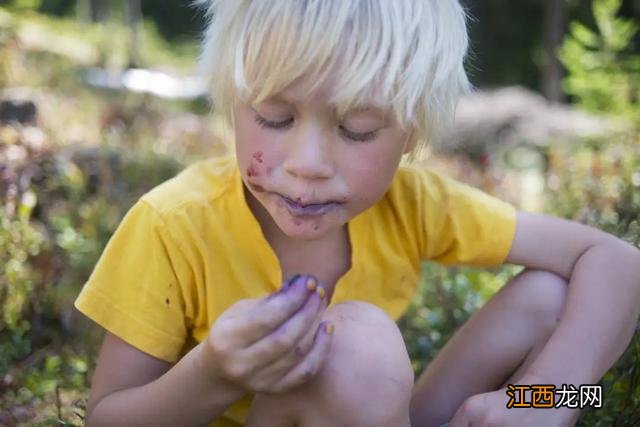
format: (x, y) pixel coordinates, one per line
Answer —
(554, 29)
(133, 18)
(92, 10)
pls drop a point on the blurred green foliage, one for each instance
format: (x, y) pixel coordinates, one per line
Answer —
(19, 240)
(107, 44)
(79, 205)
(603, 71)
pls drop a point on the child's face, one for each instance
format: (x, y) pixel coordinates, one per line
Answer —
(293, 152)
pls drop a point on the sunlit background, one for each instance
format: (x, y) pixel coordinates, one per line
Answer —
(100, 101)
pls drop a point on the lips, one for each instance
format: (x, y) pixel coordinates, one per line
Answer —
(307, 203)
(309, 209)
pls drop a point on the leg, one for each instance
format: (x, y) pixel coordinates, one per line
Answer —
(365, 382)
(494, 347)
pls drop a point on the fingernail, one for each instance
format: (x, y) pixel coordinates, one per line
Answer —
(290, 282)
(320, 291)
(311, 283)
(329, 328)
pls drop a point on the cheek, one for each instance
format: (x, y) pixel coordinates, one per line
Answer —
(364, 181)
(370, 173)
(248, 141)
(253, 171)
(250, 149)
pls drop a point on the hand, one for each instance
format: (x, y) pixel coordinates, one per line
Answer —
(272, 344)
(490, 409)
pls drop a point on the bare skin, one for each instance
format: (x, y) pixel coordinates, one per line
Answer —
(517, 322)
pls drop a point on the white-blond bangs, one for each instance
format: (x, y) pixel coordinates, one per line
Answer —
(406, 54)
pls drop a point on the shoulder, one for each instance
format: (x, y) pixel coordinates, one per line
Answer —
(199, 184)
(422, 193)
(428, 185)
(421, 184)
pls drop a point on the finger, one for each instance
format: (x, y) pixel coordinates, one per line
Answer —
(310, 366)
(277, 346)
(276, 308)
(305, 344)
(300, 351)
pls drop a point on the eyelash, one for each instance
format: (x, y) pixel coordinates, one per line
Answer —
(360, 137)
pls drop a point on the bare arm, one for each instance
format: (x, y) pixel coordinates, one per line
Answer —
(131, 387)
(603, 300)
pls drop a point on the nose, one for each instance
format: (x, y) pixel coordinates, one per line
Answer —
(309, 154)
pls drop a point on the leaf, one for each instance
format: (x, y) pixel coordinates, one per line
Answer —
(585, 36)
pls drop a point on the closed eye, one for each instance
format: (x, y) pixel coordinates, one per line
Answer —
(357, 136)
(273, 124)
(284, 124)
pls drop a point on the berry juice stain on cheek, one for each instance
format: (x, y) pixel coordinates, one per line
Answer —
(253, 171)
(258, 156)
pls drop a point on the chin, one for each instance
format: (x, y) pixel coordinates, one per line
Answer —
(301, 230)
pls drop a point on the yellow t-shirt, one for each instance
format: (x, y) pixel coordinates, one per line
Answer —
(190, 248)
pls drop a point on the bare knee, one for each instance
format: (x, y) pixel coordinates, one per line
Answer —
(540, 293)
(370, 345)
(367, 377)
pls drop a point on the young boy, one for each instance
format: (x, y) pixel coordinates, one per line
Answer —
(325, 97)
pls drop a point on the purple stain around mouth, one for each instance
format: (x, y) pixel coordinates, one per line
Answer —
(298, 210)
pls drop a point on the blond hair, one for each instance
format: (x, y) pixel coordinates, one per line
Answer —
(407, 53)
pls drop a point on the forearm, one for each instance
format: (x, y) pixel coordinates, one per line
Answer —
(185, 395)
(603, 304)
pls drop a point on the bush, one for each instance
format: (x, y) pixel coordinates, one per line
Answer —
(58, 214)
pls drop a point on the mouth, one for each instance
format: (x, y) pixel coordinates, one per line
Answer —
(308, 209)
(298, 201)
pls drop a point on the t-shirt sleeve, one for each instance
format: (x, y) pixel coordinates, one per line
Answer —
(462, 225)
(135, 290)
